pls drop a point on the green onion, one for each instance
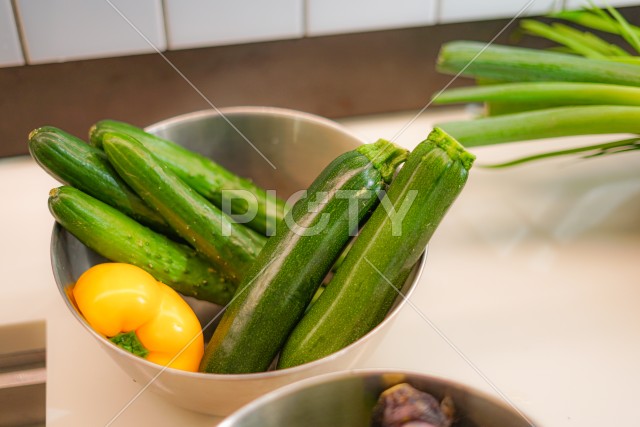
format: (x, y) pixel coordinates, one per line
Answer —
(596, 19)
(547, 93)
(547, 123)
(498, 108)
(626, 30)
(590, 151)
(585, 86)
(586, 44)
(508, 63)
(626, 59)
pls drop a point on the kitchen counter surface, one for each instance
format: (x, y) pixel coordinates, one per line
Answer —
(530, 291)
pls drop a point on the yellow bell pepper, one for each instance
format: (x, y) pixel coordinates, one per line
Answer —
(136, 312)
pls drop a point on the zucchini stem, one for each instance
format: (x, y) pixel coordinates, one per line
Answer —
(453, 148)
(385, 156)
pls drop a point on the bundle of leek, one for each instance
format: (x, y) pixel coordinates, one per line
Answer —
(585, 86)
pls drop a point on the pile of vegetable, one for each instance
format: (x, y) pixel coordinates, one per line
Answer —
(584, 86)
(157, 211)
(403, 405)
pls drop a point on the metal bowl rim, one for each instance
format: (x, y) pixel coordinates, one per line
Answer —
(255, 110)
(326, 378)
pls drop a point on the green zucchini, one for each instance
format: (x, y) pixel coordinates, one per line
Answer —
(281, 283)
(205, 176)
(364, 287)
(119, 238)
(226, 244)
(73, 162)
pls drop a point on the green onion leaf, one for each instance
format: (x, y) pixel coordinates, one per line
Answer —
(625, 29)
(581, 43)
(590, 152)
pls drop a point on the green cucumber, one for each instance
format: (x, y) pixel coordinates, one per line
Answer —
(226, 244)
(204, 175)
(119, 238)
(366, 284)
(73, 162)
(282, 281)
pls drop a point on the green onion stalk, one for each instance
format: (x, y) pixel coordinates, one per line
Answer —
(592, 87)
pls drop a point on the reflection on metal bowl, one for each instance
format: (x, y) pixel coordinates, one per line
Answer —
(347, 399)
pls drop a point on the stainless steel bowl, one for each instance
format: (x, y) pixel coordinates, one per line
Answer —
(347, 399)
(298, 146)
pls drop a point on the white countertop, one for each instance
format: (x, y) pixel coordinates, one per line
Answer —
(530, 292)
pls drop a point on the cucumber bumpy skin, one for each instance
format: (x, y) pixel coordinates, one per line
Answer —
(286, 274)
(119, 238)
(227, 245)
(366, 284)
(73, 162)
(204, 175)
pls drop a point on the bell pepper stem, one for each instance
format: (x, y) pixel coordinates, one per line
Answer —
(129, 341)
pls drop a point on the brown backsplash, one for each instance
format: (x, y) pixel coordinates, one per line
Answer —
(334, 76)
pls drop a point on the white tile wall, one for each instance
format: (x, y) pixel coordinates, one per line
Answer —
(61, 30)
(197, 23)
(577, 4)
(10, 49)
(476, 10)
(340, 16)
